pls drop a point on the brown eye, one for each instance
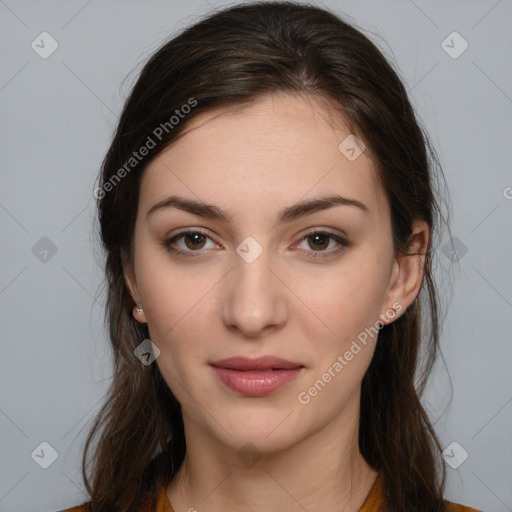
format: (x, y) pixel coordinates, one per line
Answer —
(197, 240)
(188, 243)
(320, 240)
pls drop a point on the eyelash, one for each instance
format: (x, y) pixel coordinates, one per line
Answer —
(342, 244)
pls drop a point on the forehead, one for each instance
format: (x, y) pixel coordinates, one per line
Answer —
(270, 154)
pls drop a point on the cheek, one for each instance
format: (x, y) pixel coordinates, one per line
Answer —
(173, 294)
(342, 302)
(178, 325)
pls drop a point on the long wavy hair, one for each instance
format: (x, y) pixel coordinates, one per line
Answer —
(228, 59)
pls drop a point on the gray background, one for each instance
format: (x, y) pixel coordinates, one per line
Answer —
(57, 116)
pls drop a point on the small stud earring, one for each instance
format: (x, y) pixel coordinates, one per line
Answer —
(139, 309)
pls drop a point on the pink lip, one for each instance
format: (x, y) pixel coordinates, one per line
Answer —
(256, 377)
(258, 363)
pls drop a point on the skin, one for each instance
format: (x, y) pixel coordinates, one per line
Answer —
(254, 162)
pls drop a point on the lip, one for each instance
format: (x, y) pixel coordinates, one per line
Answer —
(256, 377)
(258, 363)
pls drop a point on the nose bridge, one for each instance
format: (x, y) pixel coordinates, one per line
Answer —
(255, 299)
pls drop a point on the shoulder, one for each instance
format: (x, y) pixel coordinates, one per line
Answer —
(151, 502)
(375, 501)
(457, 507)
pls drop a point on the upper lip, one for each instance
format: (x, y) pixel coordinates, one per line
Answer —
(258, 363)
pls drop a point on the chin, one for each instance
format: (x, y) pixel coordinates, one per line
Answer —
(268, 431)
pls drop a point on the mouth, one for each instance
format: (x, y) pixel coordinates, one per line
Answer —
(256, 377)
(264, 363)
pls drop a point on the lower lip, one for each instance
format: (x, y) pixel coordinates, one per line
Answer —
(256, 383)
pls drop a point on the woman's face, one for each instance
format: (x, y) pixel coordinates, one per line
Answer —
(259, 282)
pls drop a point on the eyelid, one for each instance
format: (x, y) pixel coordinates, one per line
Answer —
(339, 238)
(183, 232)
(324, 230)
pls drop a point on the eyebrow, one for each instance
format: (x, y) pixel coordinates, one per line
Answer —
(288, 214)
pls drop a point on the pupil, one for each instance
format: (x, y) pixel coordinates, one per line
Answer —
(195, 239)
(321, 237)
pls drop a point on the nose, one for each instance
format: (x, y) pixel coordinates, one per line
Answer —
(255, 300)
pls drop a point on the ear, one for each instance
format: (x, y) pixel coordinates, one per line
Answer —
(407, 274)
(131, 283)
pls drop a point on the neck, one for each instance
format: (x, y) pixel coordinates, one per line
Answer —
(324, 472)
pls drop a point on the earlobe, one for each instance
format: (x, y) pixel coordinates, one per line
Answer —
(138, 314)
(131, 284)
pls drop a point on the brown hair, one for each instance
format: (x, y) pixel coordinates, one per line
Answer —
(229, 59)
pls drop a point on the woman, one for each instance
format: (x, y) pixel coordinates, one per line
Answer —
(267, 209)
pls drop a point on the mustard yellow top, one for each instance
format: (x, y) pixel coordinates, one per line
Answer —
(374, 502)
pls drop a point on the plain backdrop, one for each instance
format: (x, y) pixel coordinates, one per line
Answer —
(58, 112)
